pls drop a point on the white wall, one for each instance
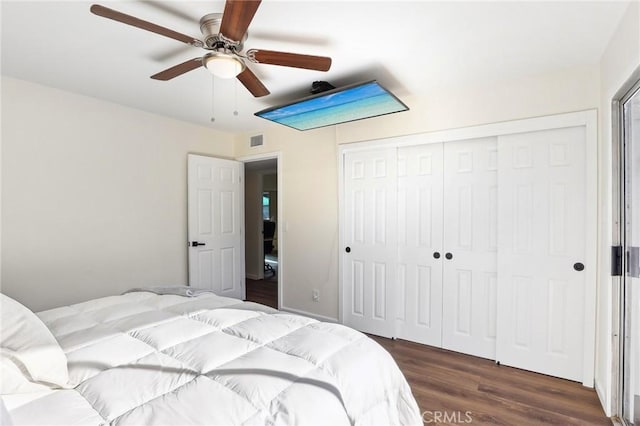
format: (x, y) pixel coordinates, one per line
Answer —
(308, 203)
(310, 247)
(94, 195)
(566, 90)
(619, 61)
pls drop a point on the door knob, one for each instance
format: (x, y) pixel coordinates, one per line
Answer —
(578, 266)
(449, 256)
(436, 254)
(348, 249)
(196, 244)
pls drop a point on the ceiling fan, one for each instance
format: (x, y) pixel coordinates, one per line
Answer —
(223, 36)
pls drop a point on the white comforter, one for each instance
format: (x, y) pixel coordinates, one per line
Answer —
(145, 359)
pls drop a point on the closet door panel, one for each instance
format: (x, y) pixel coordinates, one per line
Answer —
(470, 230)
(541, 235)
(419, 273)
(370, 254)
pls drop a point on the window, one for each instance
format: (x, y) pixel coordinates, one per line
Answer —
(266, 202)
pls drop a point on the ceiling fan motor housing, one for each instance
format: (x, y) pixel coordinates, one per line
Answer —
(210, 28)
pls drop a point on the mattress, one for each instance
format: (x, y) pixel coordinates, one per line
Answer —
(148, 359)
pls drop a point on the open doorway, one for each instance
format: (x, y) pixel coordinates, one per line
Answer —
(262, 245)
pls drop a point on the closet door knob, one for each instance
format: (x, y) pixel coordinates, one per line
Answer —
(449, 256)
(436, 254)
(578, 266)
(348, 249)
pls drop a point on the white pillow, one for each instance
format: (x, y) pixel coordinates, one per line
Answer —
(28, 347)
(5, 418)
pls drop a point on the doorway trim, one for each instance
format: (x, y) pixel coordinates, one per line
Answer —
(280, 227)
(618, 308)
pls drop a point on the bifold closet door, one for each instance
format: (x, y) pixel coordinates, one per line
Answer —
(370, 251)
(420, 254)
(541, 240)
(447, 240)
(470, 246)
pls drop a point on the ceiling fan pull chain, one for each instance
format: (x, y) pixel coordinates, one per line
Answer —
(235, 94)
(213, 84)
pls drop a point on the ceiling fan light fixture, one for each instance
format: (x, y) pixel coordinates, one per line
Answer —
(223, 65)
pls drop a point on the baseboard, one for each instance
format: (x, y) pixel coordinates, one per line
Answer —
(603, 400)
(252, 277)
(308, 314)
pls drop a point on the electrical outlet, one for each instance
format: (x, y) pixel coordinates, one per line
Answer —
(316, 295)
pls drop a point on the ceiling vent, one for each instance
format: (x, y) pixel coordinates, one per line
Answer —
(256, 141)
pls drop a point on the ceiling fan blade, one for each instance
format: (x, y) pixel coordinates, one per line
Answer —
(295, 60)
(252, 83)
(236, 18)
(177, 70)
(105, 12)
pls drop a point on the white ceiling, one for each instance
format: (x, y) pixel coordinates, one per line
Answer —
(411, 47)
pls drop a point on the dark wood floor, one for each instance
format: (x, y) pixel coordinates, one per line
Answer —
(450, 385)
(264, 292)
(445, 381)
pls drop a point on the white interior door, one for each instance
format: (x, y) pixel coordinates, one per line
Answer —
(215, 212)
(470, 246)
(541, 235)
(370, 251)
(419, 268)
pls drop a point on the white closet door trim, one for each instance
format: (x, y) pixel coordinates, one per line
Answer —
(277, 155)
(589, 119)
(572, 119)
(591, 243)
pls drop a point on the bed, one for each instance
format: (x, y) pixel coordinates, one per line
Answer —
(146, 359)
